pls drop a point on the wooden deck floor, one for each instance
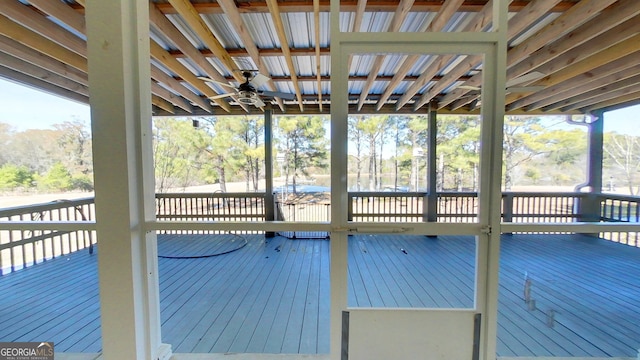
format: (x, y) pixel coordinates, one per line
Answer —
(273, 296)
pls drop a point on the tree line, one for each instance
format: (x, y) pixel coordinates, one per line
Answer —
(384, 153)
(57, 159)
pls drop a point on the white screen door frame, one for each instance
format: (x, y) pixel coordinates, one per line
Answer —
(492, 45)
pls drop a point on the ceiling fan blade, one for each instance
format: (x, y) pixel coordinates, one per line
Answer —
(220, 96)
(521, 89)
(203, 78)
(469, 87)
(532, 76)
(258, 102)
(282, 95)
(259, 80)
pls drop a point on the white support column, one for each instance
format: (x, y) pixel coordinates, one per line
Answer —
(118, 57)
(490, 195)
(339, 198)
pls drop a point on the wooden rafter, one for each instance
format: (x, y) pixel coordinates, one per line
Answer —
(352, 5)
(37, 72)
(441, 18)
(611, 72)
(162, 104)
(316, 22)
(160, 54)
(35, 57)
(605, 92)
(39, 24)
(38, 42)
(568, 58)
(606, 55)
(534, 11)
(274, 9)
(609, 18)
(398, 17)
(569, 20)
(192, 17)
(234, 17)
(42, 85)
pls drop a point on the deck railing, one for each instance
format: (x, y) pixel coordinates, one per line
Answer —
(216, 206)
(23, 248)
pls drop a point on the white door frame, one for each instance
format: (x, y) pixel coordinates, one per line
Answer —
(493, 45)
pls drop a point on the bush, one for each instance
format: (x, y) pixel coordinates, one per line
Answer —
(57, 178)
(12, 177)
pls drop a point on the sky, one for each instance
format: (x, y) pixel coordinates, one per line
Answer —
(25, 108)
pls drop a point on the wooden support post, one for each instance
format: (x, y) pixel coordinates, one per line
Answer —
(269, 201)
(432, 174)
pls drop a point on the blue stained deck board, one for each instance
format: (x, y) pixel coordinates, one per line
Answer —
(273, 296)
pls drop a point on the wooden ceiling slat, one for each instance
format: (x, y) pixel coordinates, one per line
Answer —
(480, 21)
(163, 93)
(569, 20)
(39, 24)
(398, 17)
(38, 42)
(192, 17)
(37, 72)
(607, 74)
(162, 104)
(603, 57)
(161, 77)
(470, 62)
(569, 58)
(352, 6)
(586, 97)
(316, 28)
(517, 23)
(41, 85)
(622, 101)
(62, 12)
(37, 58)
(625, 87)
(619, 12)
(233, 15)
(166, 27)
(284, 43)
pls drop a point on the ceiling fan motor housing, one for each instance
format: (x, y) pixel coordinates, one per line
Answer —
(246, 97)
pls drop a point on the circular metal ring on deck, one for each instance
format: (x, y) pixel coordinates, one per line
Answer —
(231, 243)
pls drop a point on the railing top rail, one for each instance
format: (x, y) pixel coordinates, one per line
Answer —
(56, 204)
(211, 195)
(544, 194)
(387, 194)
(630, 198)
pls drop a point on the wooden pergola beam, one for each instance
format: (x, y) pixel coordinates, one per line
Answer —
(618, 13)
(352, 6)
(38, 42)
(41, 85)
(45, 75)
(441, 19)
(274, 10)
(37, 58)
(171, 83)
(186, 9)
(37, 23)
(606, 74)
(232, 13)
(567, 21)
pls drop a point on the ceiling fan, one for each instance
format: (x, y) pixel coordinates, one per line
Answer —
(512, 85)
(247, 92)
